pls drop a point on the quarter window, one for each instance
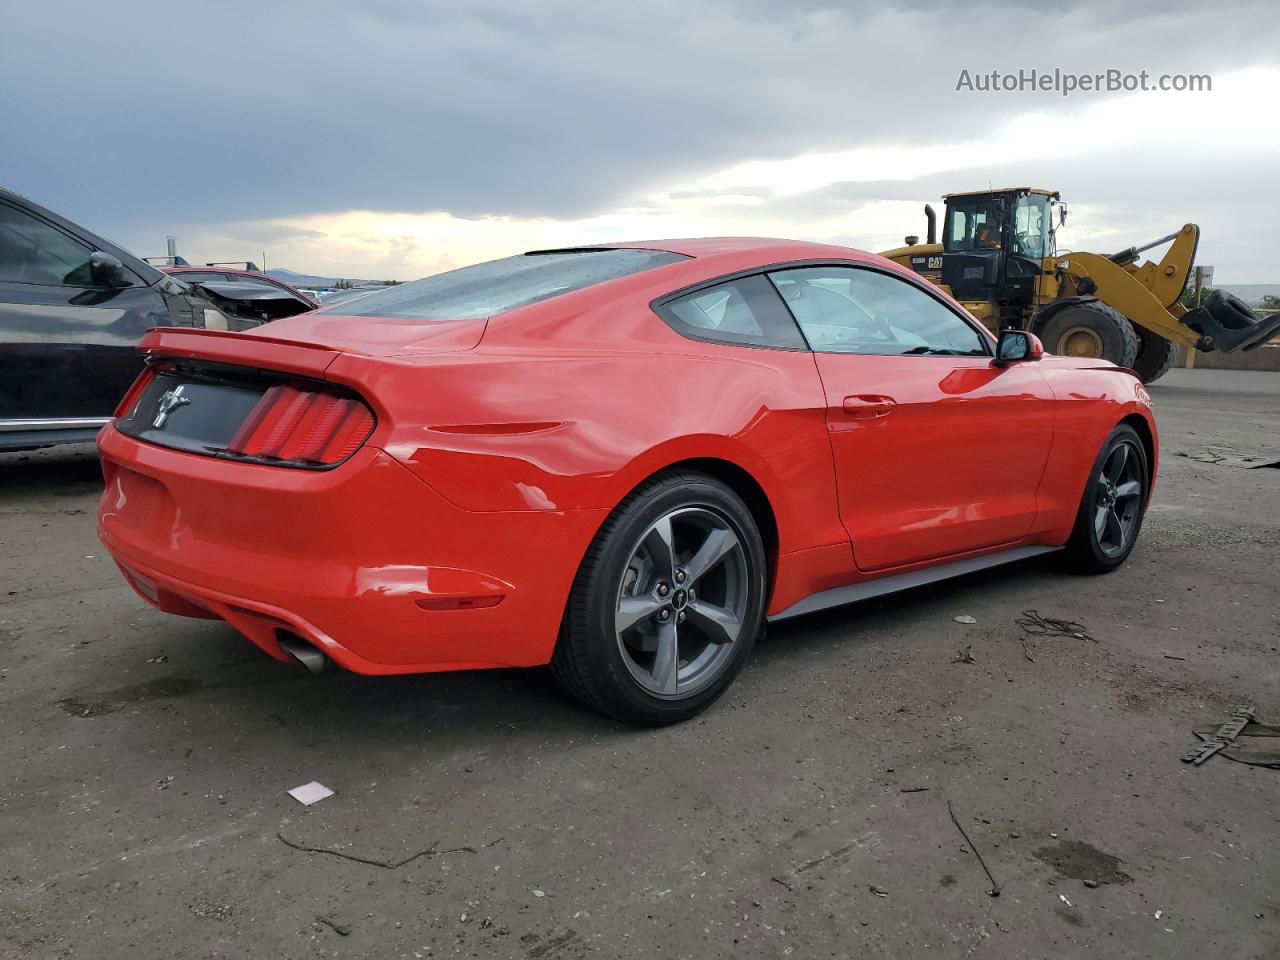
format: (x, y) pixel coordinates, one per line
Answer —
(744, 311)
(32, 251)
(853, 310)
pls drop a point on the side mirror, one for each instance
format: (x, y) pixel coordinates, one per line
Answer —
(1017, 346)
(106, 270)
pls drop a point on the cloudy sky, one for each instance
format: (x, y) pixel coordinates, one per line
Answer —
(396, 138)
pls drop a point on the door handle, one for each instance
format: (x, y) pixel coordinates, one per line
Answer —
(868, 406)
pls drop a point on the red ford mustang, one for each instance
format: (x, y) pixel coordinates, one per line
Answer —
(617, 460)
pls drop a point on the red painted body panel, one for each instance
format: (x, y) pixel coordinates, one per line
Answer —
(502, 444)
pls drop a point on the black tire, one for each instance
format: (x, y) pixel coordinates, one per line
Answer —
(1155, 355)
(1115, 337)
(592, 661)
(1229, 310)
(1088, 550)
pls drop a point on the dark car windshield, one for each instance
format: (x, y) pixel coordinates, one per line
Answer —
(486, 289)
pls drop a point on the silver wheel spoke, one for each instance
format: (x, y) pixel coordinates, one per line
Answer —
(1126, 491)
(1100, 522)
(1115, 465)
(631, 610)
(666, 660)
(716, 547)
(716, 623)
(1115, 530)
(661, 544)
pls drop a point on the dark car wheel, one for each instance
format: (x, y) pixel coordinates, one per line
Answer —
(1114, 501)
(667, 603)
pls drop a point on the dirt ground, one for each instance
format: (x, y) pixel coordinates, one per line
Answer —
(145, 759)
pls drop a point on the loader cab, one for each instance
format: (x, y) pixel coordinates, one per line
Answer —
(994, 244)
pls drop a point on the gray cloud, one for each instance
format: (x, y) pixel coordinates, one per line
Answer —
(129, 115)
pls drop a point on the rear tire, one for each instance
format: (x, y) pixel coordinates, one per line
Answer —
(1111, 510)
(1090, 329)
(1155, 355)
(667, 604)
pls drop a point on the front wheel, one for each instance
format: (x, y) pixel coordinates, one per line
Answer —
(1114, 501)
(667, 603)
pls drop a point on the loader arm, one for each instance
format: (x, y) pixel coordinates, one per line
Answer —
(1167, 279)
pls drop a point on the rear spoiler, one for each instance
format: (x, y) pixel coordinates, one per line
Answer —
(239, 349)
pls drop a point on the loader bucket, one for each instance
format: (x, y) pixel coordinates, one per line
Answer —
(1229, 324)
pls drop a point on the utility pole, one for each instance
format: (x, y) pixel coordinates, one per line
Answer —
(172, 252)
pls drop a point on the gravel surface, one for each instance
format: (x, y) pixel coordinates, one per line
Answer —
(146, 760)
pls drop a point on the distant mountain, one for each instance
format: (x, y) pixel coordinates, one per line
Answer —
(303, 279)
(296, 279)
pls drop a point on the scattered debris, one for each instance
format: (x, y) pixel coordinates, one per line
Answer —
(160, 659)
(1091, 884)
(310, 793)
(965, 618)
(964, 656)
(994, 891)
(913, 789)
(1159, 914)
(1035, 625)
(163, 783)
(430, 851)
(1170, 656)
(1025, 652)
(539, 893)
(337, 926)
(879, 892)
(1224, 736)
(1063, 898)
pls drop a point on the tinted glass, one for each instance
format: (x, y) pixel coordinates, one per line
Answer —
(851, 310)
(490, 288)
(31, 251)
(744, 311)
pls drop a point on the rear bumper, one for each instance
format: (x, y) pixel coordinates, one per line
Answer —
(366, 562)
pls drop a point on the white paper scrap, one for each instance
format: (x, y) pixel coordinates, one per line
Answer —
(310, 793)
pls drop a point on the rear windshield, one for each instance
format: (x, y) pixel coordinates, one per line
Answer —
(490, 288)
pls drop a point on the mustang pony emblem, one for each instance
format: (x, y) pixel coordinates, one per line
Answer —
(170, 401)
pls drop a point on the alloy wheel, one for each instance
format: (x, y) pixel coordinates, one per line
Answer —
(682, 601)
(1118, 500)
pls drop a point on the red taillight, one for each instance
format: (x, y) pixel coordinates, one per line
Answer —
(303, 426)
(130, 399)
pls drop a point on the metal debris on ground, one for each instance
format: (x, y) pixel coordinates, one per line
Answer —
(878, 891)
(965, 618)
(310, 793)
(964, 655)
(1257, 744)
(1229, 457)
(1223, 737)
(994, 890)
(431, 851)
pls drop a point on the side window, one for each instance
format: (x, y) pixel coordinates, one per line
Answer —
(743, 311)
(31, 251)
(853, 310)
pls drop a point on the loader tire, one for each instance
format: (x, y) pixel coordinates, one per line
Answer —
(1090, 329)
(1155, 355)
(1229, 310)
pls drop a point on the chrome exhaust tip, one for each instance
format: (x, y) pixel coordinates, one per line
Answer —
(303, 652)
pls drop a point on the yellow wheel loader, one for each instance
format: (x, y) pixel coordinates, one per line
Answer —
(999, 258)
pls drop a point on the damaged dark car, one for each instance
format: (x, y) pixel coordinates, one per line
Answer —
(72, 309)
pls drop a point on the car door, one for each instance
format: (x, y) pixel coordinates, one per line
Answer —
(937, 451)
(67, 344)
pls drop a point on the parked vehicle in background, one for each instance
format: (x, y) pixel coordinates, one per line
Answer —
(619, 460)
(219, 276)
(72, 309)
